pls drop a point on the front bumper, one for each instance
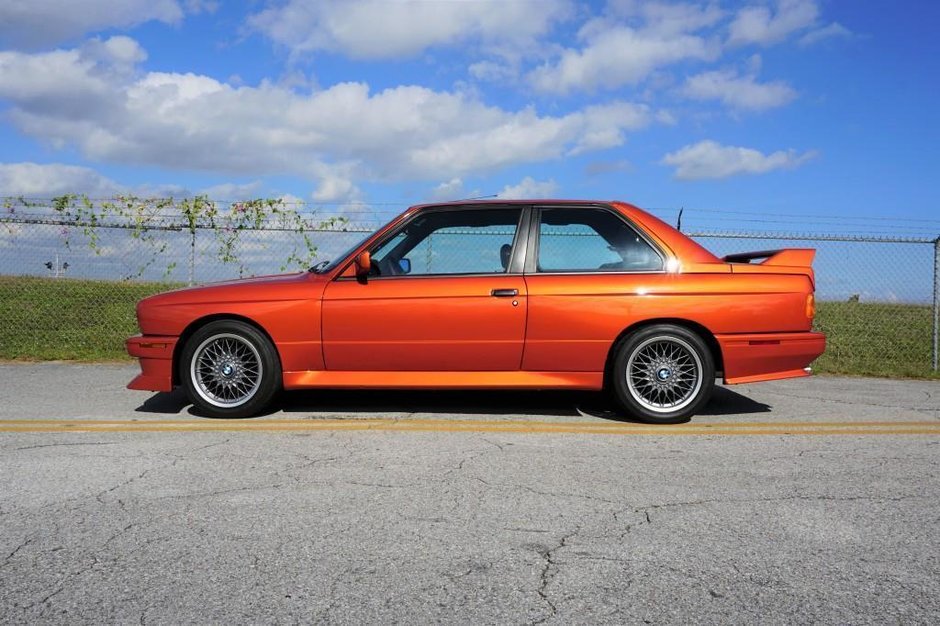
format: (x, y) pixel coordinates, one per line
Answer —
(769, 356)
(156, 362)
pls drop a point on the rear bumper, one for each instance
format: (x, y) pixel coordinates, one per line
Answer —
(156, 362)
(769, 356)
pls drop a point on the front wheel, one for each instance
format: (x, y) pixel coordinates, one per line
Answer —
(230, 369)
(663, 374)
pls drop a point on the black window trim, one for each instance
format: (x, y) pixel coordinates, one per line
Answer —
(520, 242)
(532, 251)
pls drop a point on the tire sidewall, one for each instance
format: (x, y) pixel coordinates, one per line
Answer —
(621, 390)
(270, 376)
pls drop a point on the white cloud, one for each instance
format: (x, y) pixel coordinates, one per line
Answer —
(604, 125)
(448, 190)
(53, 179)
(526, 137)
(291, 199)
(233, 191)
(833, 31)
(333, 188)
(111, 112)
(38, 23)
(119, 52)
(709, 159)
(740, 92)
(373, 29)
(45, 180)
(528, 187)
(159, 190)
(667, 17)
(492, 71)
(760, 25)
(615, 54)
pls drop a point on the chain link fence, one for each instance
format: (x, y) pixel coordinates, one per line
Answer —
(877, 297)
(69, 278)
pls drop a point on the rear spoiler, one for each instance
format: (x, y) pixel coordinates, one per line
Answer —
(793, 257)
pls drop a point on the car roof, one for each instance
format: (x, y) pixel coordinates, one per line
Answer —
(677, 242)
(482, 203)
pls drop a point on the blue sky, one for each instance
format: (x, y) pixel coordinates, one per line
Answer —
(769, 110)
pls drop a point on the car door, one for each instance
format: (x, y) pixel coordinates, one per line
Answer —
(589, 274)
(446, 293)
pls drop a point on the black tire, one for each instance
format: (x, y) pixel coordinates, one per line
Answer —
(662, 374)
(230, 369)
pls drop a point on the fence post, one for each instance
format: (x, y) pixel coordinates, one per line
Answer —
(936, 302)
(192, 256)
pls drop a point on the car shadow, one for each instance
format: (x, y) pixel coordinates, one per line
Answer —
(327, 403)
(165, 402)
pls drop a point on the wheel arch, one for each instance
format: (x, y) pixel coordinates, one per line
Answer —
(707, 336)
(198, 323)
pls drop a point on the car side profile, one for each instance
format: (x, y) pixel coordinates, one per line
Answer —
(528, 294)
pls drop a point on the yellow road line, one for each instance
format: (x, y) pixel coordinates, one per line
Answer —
(457, 425)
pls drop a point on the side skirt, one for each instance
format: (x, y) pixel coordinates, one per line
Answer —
(445, 380)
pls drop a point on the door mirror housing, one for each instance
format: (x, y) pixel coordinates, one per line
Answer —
(405, 265)
(363, 265)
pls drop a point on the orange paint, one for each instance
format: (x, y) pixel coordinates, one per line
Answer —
(556, 331)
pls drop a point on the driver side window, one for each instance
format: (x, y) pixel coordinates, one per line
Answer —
(473, 241)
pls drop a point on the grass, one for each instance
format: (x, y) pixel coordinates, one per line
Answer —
(63, 319)
(88, 320)
(876, 339)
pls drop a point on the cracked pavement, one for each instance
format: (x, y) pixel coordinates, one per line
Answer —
(378, 526)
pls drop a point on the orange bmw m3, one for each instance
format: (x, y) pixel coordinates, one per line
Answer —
(532, 294)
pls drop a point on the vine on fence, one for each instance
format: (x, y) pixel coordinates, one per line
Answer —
(150, 218)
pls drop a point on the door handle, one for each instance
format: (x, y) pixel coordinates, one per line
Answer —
(504, 293)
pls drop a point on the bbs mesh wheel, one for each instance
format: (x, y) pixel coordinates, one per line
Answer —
(663, 374)
(230, 369)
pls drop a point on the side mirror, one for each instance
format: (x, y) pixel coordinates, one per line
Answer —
(405, 265)
(363, 264)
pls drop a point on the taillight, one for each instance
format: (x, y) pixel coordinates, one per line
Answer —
(810, 306)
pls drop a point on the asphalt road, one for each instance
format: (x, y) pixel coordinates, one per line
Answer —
(813, 500)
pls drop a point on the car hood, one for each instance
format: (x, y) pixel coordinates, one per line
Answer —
(270, 288)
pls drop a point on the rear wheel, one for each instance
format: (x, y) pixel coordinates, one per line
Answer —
(663, 374)
(230, 369)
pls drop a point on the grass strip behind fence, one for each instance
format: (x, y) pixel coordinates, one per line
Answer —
(88, 320)
(877, 339)
(64, 319)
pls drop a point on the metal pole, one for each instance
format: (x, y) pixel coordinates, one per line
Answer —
(192, 256)
(936, 302)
